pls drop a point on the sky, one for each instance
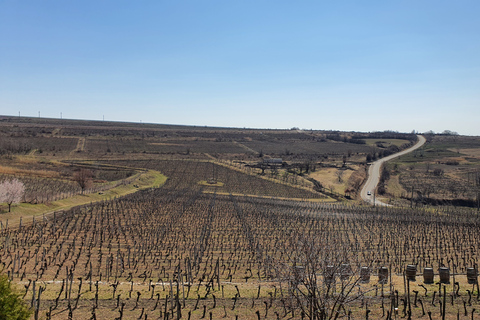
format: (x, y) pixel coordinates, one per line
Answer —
(326, 65)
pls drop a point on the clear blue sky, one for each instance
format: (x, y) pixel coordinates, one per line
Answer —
(345, 65)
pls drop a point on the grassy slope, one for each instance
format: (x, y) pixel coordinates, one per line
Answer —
(329, 179)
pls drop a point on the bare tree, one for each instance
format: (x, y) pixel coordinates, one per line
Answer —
(84, 178)
(340, 176)
(11, 192)
(321, 280)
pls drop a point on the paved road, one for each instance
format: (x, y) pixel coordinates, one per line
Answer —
(374, 173)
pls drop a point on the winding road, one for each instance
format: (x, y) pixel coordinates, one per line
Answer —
(374, 173)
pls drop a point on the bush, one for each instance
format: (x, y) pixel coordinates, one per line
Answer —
(452, 163)
(11, 305)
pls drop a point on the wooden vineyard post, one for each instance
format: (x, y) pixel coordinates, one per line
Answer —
(217, 268)
(411, 199)
(444, 301)
(409, 302)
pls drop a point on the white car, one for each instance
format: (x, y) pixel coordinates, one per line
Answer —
(369, 193)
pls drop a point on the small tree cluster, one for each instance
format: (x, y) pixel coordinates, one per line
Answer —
(11, 191)
(84, 178)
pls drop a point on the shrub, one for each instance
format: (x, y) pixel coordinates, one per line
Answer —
(452, 163)
(11, 304)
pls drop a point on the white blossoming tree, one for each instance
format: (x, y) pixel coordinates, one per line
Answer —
(11, 191)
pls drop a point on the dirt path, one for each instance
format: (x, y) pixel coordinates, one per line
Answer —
(80, 146)
(374, 173)
(245, 147)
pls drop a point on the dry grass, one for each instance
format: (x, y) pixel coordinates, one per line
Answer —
(394, 187)
(472, 152)
(247, 304)
(27, 172)
(208, 184)
(329, 178)
(164, 144)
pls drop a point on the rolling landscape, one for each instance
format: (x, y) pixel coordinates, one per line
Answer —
(146, 221)
(240, 160)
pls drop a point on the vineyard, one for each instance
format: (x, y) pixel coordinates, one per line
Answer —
(176, 250)
(188, 173)
(45, 183)
(230, 237)
(25, 144)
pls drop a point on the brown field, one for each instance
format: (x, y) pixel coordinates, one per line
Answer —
(472, 152)
(221, 240)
